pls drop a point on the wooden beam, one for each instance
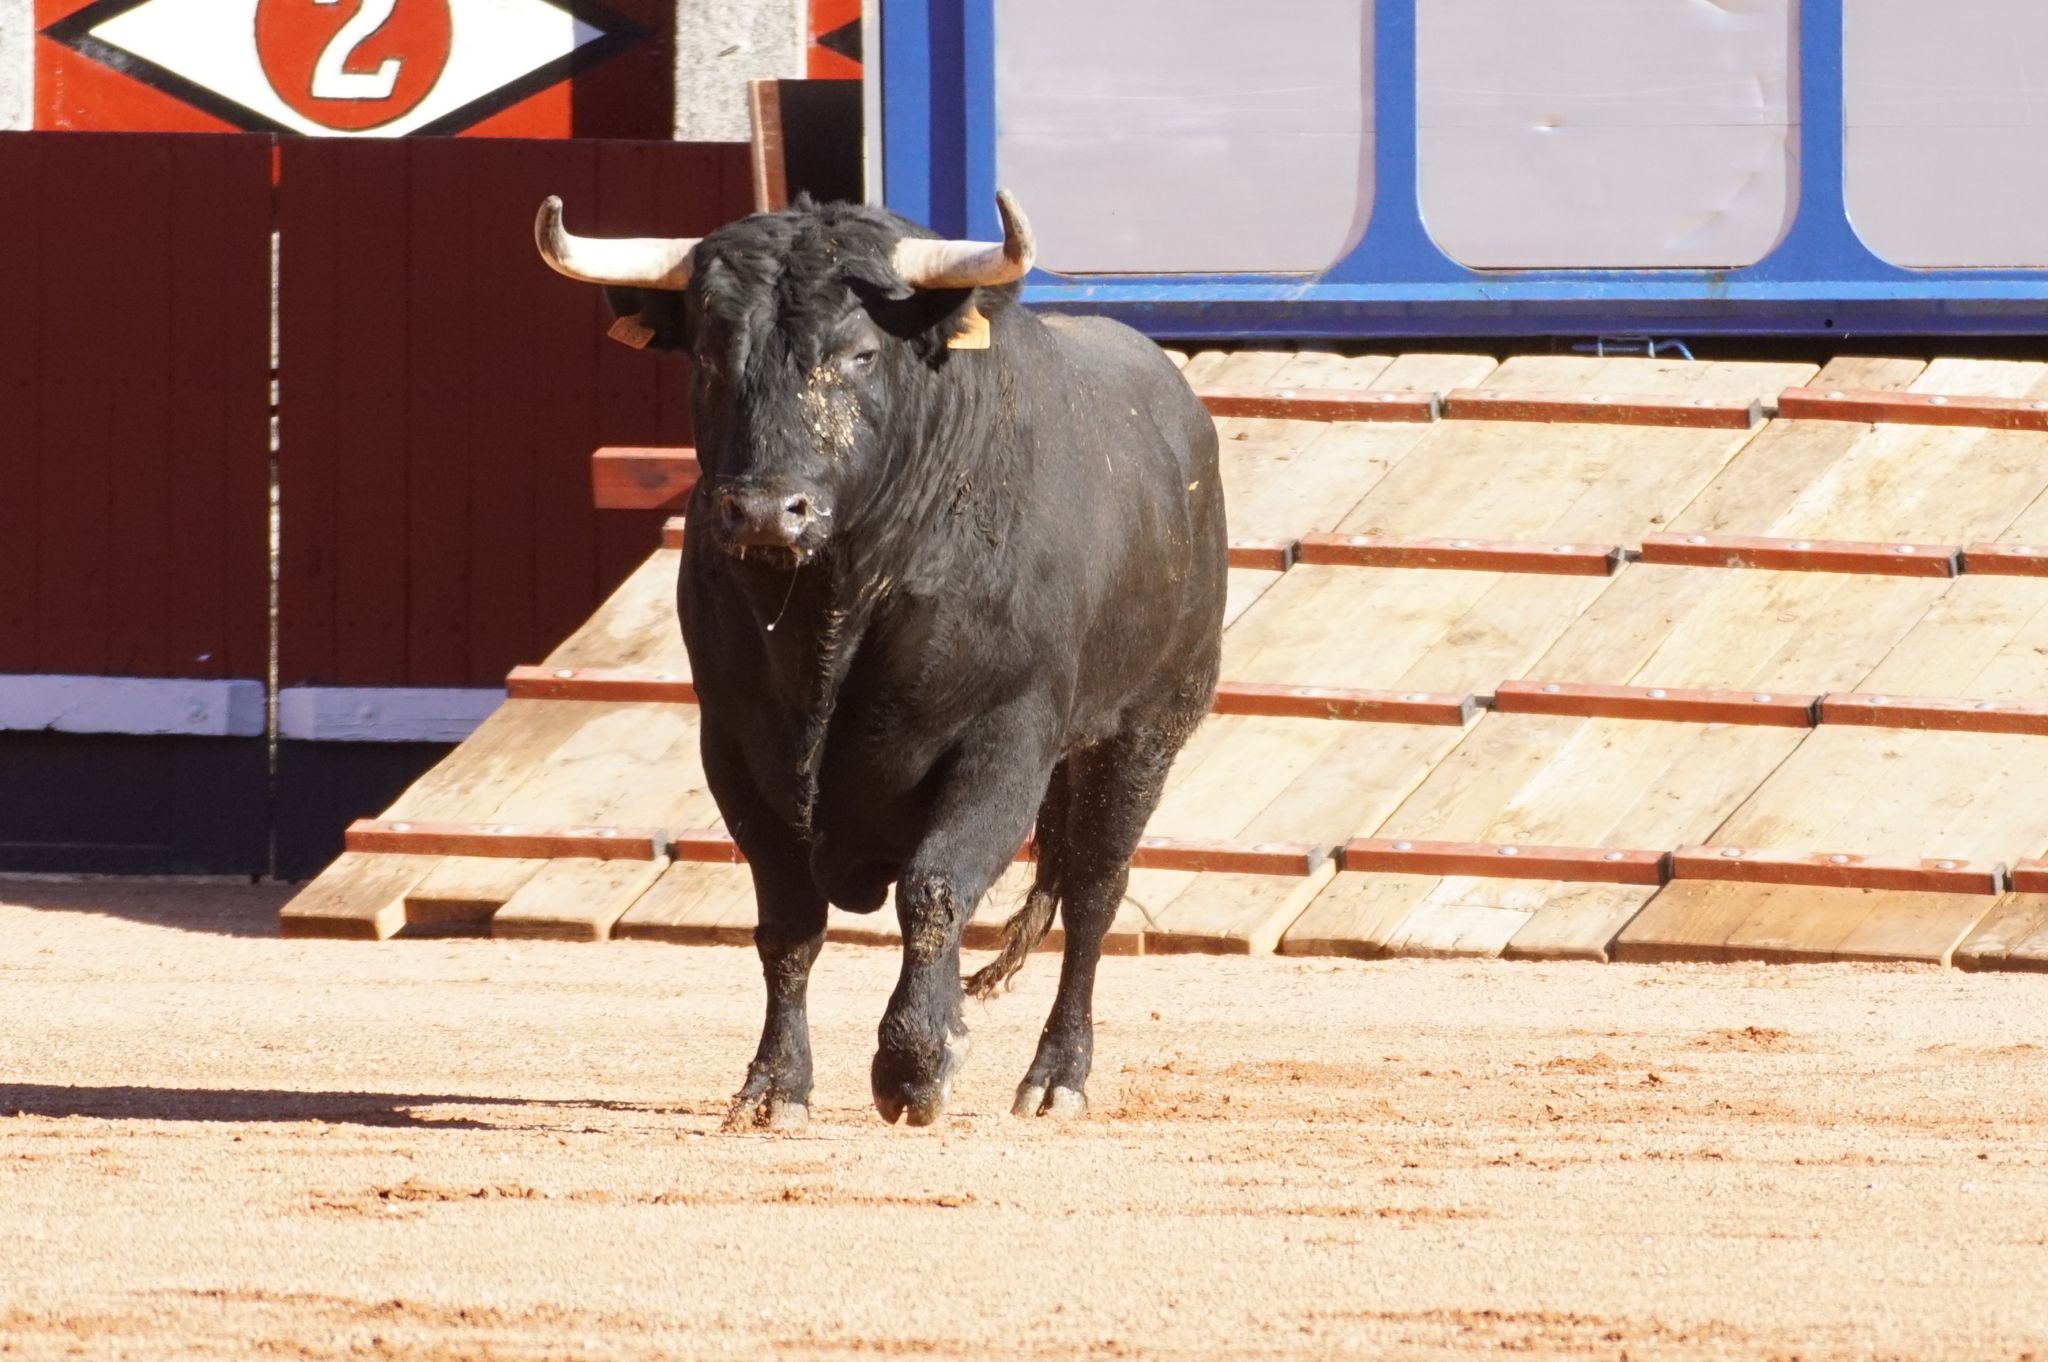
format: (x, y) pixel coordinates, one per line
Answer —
(1913, 408)
(618, 685)
(1657, 702)
(1708, 413)
(1838, 870)
(1505, 860)
(1319, 404)
(525, 840)
(1333, 702)
(1802, 555)
(1947, 715)
(1475, 555)
(767, 148)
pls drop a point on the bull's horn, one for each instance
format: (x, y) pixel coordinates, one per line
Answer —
(628, 261)
(925, 263)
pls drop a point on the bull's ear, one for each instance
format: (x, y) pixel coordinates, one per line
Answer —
(876, 281)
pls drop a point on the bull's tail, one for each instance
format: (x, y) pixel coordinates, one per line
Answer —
(1021, 935)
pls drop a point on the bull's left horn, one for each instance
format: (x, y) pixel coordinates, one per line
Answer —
(925, 263)
(629, 261)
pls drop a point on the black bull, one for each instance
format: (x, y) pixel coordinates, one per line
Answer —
(938, 599)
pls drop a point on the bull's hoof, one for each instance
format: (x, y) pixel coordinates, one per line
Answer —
(1036, 1100)
(760, 1106)
(919, 1103)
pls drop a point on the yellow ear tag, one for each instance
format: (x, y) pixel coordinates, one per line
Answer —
(631, 331)
(973, 333)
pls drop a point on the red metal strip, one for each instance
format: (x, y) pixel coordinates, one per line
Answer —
(1716, 413)
(672, 532)
(2006, 560)
(1478, 555)
(1768, 708)
(634, 478)
(1274, 555)
(1913, 409)
(1505, 860)
(1802, 555)
(521, 840)
(598, 683)
(1320, 404)
(1330, 702)
(1836, 871)
(1949, 715)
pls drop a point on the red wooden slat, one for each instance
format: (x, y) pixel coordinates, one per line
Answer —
(22, 293)
(1504, 860)
(1230, 858)
(218, 451)
(706, 845)
(440, 592)
(2006, 560)
(513, 840)
(314, 224)
(1839, 870)
(1484, 404)
(1768, 708)
(672, 532)
(616, 685)
(1911, 408)
(648, 478)
(1949, 715)
(1319, 404)
(1802, 555)
(1334, 702)
(1475, 555)
(1271, 555)
(2030, 877)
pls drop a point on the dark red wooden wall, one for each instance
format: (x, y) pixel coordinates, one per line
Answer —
(442, 391)
(134, 404)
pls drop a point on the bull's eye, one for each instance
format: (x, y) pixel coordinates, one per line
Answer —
(862, 359)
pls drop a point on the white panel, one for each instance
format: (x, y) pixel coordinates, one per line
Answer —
(1946, 125)
(1187, 135)
(383, 714)
(122, 704)
(1608, 133)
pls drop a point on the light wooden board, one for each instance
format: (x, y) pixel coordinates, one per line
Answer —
(356, 898)
(2013, 936)
(575, 899)
(695, 903)
(636, 628)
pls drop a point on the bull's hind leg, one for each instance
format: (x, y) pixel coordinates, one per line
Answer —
(1115, 788)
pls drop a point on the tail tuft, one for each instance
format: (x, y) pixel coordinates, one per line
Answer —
(1021, 935)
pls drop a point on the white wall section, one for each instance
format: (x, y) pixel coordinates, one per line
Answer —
(723, 44)
(17, 63)
(383, 714)
(1946, 128)
(1187, 135)
(1609, 133)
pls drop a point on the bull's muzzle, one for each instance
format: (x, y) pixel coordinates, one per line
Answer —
(776, 518)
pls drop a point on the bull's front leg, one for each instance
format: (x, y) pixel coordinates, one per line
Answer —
(981, 816)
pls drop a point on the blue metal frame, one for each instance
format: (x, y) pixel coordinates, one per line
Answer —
(938, 156)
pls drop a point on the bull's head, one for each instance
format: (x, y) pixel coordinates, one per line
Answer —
(814, 332)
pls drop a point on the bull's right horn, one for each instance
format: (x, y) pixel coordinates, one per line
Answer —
(926, 263)
(657, 262)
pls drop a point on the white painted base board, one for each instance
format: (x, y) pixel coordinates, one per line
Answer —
(126, 704)
(383, 713)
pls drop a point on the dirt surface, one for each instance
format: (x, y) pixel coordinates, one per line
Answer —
(217, 1143)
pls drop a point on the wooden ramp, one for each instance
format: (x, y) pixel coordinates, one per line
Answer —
(1551, 658)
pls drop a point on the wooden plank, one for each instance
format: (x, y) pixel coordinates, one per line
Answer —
(768, 155)
(1704, 413)
(1366, 550)
(635, 627)
(1802, 555)
(357, 898)
(1234, 914)
(1337, 702)
(1671, 704)
(1355, 915)
(575, 899)
(1273, 555)
(1580, 922)
(2012, 936)
(511, 840)
(642, 477)
(694, 903)
(617, 685)
(466, 890)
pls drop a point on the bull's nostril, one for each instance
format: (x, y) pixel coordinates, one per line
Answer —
(730, 511)
(798, 506)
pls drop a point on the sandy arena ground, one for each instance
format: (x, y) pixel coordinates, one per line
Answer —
(216, 1143)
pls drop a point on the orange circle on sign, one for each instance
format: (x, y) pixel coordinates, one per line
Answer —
(326, 60)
